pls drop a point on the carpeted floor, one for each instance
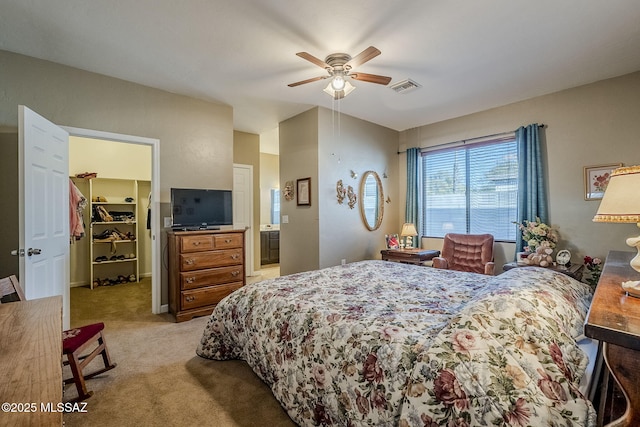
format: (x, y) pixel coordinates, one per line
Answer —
(159, 380)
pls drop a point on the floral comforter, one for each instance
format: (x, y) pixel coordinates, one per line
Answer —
(382, 343)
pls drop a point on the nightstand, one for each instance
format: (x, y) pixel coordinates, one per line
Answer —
(409, 256)
(614, 319)
(574, 270)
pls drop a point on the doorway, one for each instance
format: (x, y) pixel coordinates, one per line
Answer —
(147, 195)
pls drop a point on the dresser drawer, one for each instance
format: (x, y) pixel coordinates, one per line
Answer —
(196, 243)
(207, 296)
(210, 259)
(212, 276)
(225, 241)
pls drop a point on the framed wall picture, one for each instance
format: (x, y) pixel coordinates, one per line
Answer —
(596, 179)
(304, 191)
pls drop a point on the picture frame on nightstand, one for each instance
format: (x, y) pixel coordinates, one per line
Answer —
(393, 242)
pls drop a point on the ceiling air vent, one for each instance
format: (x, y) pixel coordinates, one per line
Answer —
(405, 86)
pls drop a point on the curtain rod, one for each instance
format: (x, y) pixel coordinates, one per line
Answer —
(464, 141)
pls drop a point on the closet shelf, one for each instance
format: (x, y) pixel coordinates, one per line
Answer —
(115, 261)
(113, 203)
(112, 222)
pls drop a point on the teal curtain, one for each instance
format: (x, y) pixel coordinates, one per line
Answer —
(413, 199)
(532, 193)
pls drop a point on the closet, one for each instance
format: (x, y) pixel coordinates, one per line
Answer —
(120, 191)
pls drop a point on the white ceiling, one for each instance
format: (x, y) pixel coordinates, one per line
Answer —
(468, 55)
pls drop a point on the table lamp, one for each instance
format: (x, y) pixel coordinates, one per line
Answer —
(408, 231)
(621, 204)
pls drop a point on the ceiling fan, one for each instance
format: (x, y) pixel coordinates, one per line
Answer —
(339, 67)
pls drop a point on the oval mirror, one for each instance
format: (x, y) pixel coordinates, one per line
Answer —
(371, 200)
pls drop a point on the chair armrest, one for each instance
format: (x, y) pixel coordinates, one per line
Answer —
(439, 262)
(489, 267)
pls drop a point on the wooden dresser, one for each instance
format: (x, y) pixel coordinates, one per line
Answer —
(31, 362)
(204, 267)
(614, 319)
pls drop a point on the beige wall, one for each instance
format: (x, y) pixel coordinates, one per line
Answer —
(196, 136)
(323, 234)
(359, 146)
(246, 151)
(588, 125)
(9, 203)
(299, 239)
(109, 159)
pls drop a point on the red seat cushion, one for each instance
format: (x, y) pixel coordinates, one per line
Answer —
(74, 338)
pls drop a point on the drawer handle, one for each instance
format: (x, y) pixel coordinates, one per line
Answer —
(190, 279)
(227, 241)
(190, 261)
(190, 298)
(235, 256)
(196, 243)
(235, 273)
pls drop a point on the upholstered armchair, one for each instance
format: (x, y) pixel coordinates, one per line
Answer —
(467, 252)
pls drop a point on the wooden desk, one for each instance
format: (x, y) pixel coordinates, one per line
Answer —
(614, 319)
(409, 256)
(31, 360)
(573, 271)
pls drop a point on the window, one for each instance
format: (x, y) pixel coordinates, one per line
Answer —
(471, 189)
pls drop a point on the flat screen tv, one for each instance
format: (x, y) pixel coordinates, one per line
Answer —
(193, 208)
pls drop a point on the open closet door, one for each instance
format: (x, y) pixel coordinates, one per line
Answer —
(43, 152)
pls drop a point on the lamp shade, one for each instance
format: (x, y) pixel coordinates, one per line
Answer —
(408, 229)
(339, 94)
(621, 200)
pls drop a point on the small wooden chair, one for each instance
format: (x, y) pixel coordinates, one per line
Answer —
(75, 342)
(10, 290)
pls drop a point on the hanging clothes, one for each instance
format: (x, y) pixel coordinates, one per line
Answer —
(149, 213)
(77, 203)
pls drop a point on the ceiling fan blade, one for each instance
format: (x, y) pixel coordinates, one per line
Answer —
(320, 63)
(371, 78)
(364, 56)
(314, 79)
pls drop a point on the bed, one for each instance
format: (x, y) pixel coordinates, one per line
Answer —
(383, 343)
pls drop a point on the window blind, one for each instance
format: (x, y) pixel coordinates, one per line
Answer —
(471, 189)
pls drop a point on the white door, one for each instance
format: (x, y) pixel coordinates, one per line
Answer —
(243, 209)
(43, 166)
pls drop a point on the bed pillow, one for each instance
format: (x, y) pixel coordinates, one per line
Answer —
(509, 357)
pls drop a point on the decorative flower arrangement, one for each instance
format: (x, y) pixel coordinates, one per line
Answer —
(594, 267)
(536, 232)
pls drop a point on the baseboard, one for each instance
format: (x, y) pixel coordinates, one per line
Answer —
(78, 284)
(164, 308)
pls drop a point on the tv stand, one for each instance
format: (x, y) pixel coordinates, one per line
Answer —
(204, 267)
(200, 228)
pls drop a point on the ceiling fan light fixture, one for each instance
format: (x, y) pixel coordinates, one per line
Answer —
(339, 94)
(337, 83)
